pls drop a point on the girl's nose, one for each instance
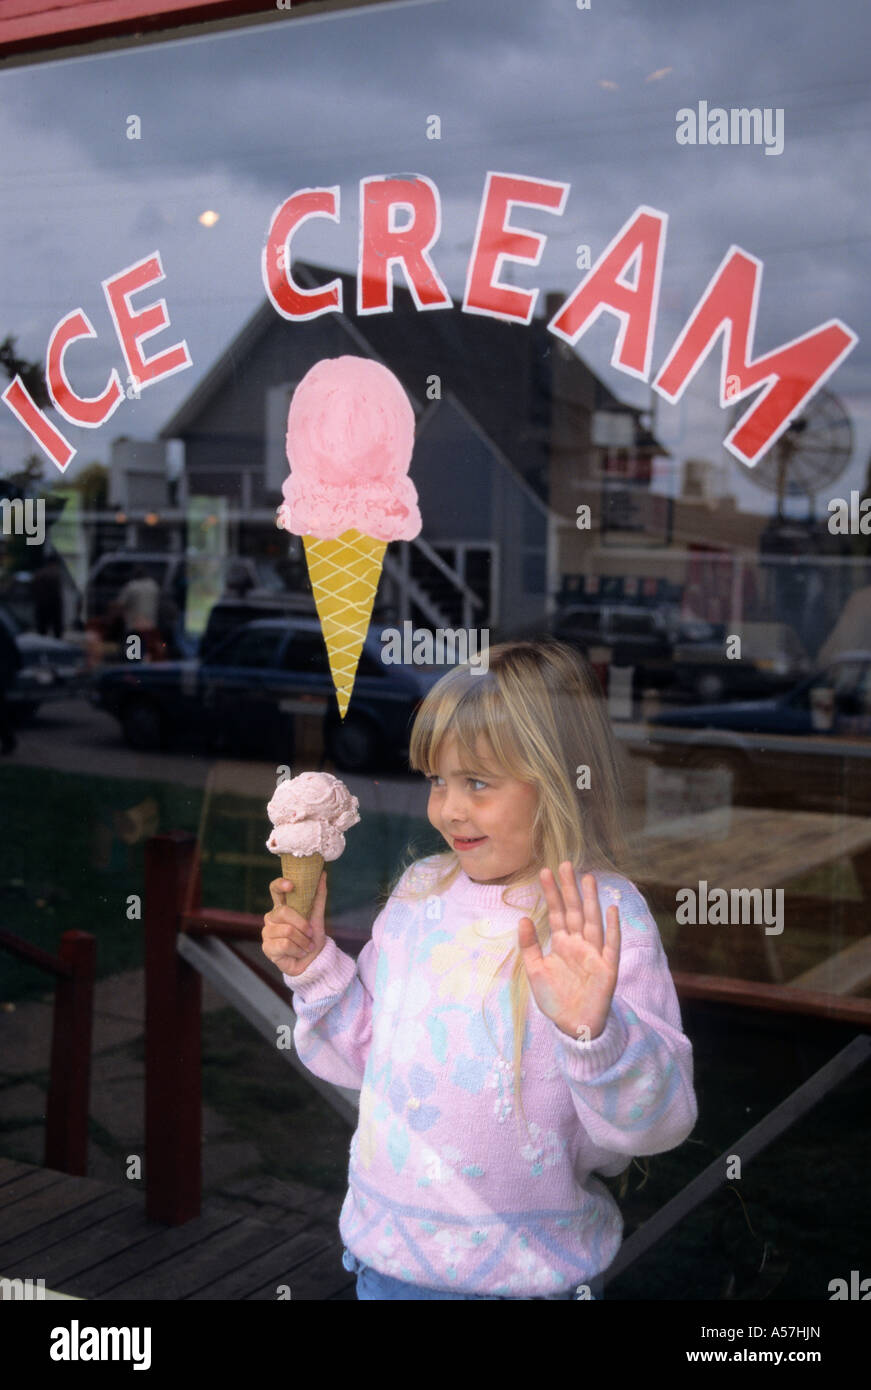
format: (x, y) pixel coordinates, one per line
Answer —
(455, 807)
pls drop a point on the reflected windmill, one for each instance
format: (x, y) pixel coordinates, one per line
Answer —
(813, 451)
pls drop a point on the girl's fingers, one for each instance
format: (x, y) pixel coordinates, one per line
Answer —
(277, 928)
(293, 941)
(564, 914)
(553, 898)
(574, 905)
(611, 949)
(592, 912)
(527, 940)
(277, 888)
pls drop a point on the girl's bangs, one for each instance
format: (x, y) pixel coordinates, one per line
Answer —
(471, 713)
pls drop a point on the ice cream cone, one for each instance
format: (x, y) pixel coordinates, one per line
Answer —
(304, 872)
(344, 577)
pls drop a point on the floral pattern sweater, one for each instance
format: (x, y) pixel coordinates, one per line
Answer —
(448, 1187)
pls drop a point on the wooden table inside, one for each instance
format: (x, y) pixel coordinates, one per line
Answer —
(825, 943)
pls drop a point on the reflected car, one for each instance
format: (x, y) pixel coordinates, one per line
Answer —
(772, 660)
(245, 696)
(51, 669)
(808, 749)
(645, 638)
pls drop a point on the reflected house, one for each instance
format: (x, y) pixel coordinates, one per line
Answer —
(504, 454)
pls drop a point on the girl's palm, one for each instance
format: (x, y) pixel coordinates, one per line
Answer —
(575, 983)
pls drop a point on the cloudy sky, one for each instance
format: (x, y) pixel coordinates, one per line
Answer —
(237, 121)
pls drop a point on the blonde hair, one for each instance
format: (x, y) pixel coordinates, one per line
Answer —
(539, 709)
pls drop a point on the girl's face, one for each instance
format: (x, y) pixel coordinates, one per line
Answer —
(485, 816)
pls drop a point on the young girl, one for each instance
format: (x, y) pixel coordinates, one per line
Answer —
(507, 1041)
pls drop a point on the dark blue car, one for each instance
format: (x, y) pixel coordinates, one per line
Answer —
(809, 749)
(245, 696)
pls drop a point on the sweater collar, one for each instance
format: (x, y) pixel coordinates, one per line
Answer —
(490, 895)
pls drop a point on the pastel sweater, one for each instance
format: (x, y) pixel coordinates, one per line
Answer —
(445, 1190)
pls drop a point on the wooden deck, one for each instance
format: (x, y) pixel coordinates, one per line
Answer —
(93, 1241)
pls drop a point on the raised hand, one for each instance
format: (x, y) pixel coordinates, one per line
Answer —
(575, 983)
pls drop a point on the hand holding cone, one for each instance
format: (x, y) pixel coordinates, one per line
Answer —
(290, 940)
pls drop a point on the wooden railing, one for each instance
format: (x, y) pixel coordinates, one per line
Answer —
(66, 1115)
(175, 919)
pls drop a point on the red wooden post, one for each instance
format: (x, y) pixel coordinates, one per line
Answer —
(173, 998)
(66, 1119)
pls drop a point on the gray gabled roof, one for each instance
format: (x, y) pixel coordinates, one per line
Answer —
(446, 326)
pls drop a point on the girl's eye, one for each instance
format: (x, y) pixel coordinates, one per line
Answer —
(434, 778)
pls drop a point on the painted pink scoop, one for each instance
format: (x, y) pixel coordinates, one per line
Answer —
(350, 436)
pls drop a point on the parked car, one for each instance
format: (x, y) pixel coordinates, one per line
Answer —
(243, 696)
(642, 637)
(50, 669)
(772, 659)
(230, 614)
(807, 749)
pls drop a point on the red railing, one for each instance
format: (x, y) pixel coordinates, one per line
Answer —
(173, 1020)
(66, 1116)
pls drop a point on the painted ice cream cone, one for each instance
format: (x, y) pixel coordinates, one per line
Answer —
(309, 814)
(344, 576)
(350, 436)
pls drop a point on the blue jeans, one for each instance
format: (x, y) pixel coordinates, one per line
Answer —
(372, 1286)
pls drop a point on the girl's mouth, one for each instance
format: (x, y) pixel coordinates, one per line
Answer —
(468, 844)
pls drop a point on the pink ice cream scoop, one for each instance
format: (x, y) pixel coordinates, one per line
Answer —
(350, 436)
(314, 796)
(309, 813)
(307, 837)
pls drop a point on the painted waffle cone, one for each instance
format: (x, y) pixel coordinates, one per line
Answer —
(344, 576)
(304, 872)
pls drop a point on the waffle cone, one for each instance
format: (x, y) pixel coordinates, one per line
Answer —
(344, 576)
(304, 872)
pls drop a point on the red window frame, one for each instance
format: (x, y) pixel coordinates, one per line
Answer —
(29, 26)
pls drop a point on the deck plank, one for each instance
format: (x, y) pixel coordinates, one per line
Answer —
(279, 1266)
(94, 1240)
(317, 1279)
(189, 1270)
(11, 1169)
(40, 1207)
(39, 1237)
(138, 1245)
(23, 1186)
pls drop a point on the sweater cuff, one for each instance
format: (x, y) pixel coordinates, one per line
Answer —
(329, 973)
(590, 1059)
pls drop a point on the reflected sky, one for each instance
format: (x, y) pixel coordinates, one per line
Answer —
(238, 121)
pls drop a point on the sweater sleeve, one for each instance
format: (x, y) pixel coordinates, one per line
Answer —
(632, 1086)
(332, 1001)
